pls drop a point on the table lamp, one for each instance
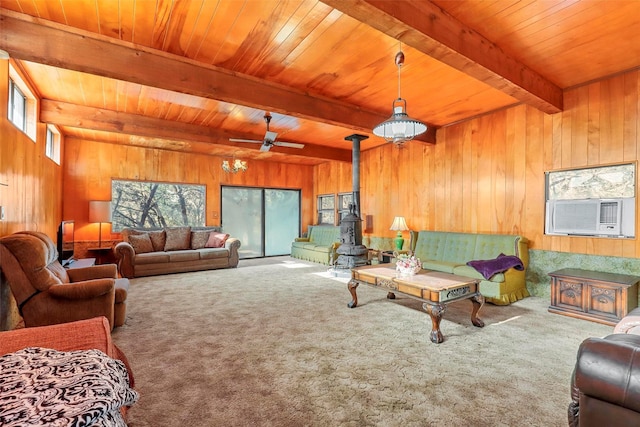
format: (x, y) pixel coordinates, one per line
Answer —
(399, 225)
(100, 211)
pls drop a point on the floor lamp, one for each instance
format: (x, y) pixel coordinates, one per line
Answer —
(100, 211)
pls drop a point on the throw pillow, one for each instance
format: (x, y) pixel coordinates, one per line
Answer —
(216, 240)
(177, 238)
(158, 239)
(199, 238)
(141, 243)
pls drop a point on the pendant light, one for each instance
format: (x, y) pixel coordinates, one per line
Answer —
(399, 128)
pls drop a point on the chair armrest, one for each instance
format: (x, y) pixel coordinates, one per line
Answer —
(83, 290)
(233, 244)
(125, 256)
(84, 334)
(609, 369)
(301, 239)
(94, 333)
(105, 271)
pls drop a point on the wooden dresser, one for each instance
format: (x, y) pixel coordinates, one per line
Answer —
(593, 295)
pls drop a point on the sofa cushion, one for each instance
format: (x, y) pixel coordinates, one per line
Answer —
(430, 245)
(158, 239)
(468, 271)
(199, 238)
(185, 255)
(152, 258)
(444, 266)
(212, 253)
(141, 243)
(459, 248)
(216, 240)
(324, 235)
(323, 249)
(178, 238)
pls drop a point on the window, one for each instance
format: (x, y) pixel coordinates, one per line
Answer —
(597, 201)
(22, 106)
(52, 145)
(153, 204)
(327, 209)
(601, 182)
(344, 200)
(17, 107)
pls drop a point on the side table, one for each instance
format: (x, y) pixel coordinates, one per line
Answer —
(387, 256)
(592, 295)
(82, 263)
(102, 253)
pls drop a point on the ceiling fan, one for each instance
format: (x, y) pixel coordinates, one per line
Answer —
(269, 138)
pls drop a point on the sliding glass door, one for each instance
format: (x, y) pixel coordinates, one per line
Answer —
(266, 220)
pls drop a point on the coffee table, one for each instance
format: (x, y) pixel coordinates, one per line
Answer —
(435, 289)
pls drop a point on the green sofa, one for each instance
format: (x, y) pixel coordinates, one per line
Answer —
(449, 252)
(319, 246)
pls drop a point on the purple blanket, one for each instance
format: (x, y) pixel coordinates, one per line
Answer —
(489, 267)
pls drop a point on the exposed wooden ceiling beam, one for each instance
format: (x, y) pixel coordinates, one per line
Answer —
(79, 116)
(23, 37)
(426, 27)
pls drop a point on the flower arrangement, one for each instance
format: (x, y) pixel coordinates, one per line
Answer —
(408, 264)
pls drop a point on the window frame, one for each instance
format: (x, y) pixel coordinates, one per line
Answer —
(328, 211)
(14, 90)
(52, 144)
(17, 82)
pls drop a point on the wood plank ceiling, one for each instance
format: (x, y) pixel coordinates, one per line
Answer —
(190, 74)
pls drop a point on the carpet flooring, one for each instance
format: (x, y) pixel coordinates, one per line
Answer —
(273, 343)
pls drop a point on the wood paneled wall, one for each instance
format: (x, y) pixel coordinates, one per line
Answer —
(487, 175)
(32, 197)
(90, 167)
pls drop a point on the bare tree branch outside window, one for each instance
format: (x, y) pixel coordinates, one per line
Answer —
(153, 204)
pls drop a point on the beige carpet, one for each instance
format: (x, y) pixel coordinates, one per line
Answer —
(273, 343)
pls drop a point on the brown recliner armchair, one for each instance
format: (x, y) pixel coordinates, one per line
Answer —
(47, 293)
(605, 387)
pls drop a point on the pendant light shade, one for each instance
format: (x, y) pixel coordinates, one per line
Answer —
(399, 128)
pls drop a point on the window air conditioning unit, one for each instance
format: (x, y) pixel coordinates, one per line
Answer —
(591, 217)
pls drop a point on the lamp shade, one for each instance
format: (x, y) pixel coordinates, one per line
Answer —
(399, 224)
(399, 127)
(100, 211)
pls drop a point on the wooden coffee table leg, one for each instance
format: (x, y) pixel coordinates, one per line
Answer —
(435, 312)
(478, 302)
(352, 285)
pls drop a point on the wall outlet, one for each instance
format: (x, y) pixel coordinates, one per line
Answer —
(1, 213)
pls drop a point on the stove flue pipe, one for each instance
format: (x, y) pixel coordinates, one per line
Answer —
(355, 166)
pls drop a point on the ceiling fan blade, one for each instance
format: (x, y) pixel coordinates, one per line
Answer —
(270, 136)
(255, 141)
(288, 144)
(265, 147)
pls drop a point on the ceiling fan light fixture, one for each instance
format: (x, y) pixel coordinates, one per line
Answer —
(399, 128)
